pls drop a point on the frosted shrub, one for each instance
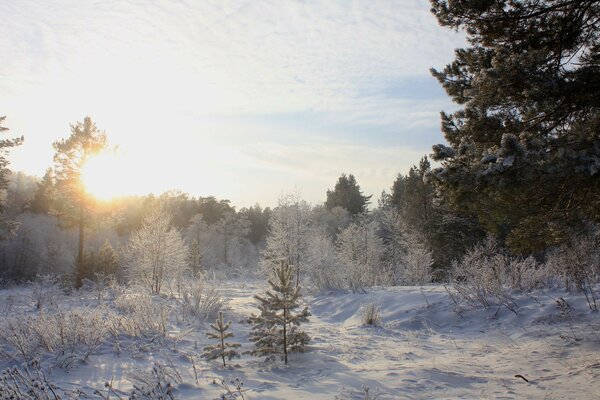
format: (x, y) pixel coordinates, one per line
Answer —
(103, 286)
(370, 314)
(201, 301)
(69, 335)
(17, 339)
(141, 316)
(363, 394)
(25, 385)
(578, 265)
(45, 291)
(480, 275)
(528, 274)
(156, 385)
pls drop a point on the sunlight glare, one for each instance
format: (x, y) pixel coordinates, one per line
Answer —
(103, 176)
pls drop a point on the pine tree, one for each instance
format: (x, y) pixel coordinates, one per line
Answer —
(7, 227)
(275, 331)
(222, 349)
(107, 260)
(523, 153)
(347, 194)
(73, 203)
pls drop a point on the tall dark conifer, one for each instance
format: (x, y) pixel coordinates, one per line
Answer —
(524, 151)
(70, 157)
(347, 194)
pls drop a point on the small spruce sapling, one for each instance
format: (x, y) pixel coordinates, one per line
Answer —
(275, 330)
(222, 349)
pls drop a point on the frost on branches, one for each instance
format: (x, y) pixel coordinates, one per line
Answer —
(222, 349)
(275, 331)
(156, 253)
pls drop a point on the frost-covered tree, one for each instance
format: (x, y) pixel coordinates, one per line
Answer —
(361, 250)
(416, 260)
(288, 235)
(156, 253)
(222, 349)
(275, 330)
(526, 136)
(221, 246)
(324, 268)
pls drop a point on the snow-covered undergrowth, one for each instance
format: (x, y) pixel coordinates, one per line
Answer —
(421, 347)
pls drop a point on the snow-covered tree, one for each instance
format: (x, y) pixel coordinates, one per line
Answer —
(222, 349)
(361, 250)
(156, 253)
(288, 235)
(275, 331)
(416, 261)
(324, 269)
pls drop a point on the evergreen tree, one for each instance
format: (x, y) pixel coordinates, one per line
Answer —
(107, 260)
(7, 227)
(524, 151)
(195, 258)
(347, 194)
(72, 203)
(275, 331)
(41, 202)
(222, 349)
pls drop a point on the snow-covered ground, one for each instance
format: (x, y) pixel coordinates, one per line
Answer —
(423, 348)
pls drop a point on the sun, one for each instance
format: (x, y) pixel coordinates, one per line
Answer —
(104, 176)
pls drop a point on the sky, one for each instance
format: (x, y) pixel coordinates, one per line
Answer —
(242, 100)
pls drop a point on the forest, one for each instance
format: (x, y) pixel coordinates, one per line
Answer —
(474, 274)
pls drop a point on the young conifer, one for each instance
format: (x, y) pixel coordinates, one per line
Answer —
(275, 331)
(222, 349)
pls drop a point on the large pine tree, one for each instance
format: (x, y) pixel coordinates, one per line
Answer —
(72, 203)
(347, 194)
(524, 151)
(275, 331)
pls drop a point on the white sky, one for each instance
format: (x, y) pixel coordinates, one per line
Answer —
(238, 99)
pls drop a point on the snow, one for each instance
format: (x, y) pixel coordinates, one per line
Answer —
(423, 348)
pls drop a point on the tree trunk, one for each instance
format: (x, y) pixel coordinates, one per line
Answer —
(80, 268)
(285, 352)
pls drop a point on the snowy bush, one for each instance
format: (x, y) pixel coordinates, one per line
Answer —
(528, 274)
(370, 314)
(45, 291)
(142, 316)
(156, 385)
(201, 301)
(363, 394)
(69, 335)
(578, 265)
(480, 275)
(17, 384)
